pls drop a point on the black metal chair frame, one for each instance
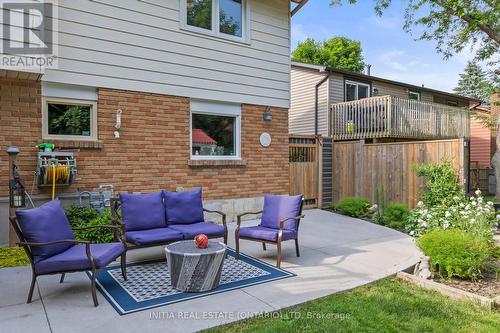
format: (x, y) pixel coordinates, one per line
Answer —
(264, 242)
(115, 203)
(27, 248)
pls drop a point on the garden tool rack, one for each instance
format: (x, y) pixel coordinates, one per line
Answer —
(58, 165)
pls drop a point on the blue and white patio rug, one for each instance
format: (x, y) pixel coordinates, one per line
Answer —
(148, 284)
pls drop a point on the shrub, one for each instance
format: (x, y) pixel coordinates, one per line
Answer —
(442, 183)
(81, 217)
(455, 253)
(353, 206)
(395, 215)
(97, 235)
(473, 214)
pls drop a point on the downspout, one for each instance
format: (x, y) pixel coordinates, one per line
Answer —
(316, 98)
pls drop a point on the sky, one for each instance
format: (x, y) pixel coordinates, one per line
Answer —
(393, 53)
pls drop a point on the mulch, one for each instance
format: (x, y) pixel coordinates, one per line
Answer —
(488, 285)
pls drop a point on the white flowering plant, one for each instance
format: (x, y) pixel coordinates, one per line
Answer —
(471, 214)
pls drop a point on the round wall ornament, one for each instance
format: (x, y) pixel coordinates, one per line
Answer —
(265, 139)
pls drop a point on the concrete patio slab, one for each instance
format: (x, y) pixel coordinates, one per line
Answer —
(337, 253)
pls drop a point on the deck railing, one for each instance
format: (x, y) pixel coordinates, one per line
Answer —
(393, 117)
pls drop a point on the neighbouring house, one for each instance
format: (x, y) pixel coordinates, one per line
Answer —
(157, 94)
(349, 106)
(482, 138)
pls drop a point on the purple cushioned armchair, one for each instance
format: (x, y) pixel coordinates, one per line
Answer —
(48, 240)
(280, 222)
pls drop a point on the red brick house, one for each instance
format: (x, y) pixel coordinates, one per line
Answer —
(167, 74)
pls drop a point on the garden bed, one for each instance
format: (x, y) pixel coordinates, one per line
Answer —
(488, 285)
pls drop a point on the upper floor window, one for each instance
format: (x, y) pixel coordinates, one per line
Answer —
(414, 95)
(356, 90)
(452, 103)
(223, 18)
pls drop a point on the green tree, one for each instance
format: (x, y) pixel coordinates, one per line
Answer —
(453, 24)
(336, 52)
(474, 83)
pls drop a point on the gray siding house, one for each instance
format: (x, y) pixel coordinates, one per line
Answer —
(330, 102)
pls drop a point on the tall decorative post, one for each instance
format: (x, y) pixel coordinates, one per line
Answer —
(17, 192)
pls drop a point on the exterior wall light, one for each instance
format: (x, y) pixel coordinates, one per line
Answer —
(267, 114)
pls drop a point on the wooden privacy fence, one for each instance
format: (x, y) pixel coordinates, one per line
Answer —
(304, 156)
(361, 169)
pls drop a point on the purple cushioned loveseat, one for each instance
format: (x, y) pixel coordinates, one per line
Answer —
(164, 217)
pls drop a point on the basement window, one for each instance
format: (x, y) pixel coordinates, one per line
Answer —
(215, 130)
(68, 119)
(221, 18)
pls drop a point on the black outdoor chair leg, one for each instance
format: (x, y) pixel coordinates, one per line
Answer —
(93, 287)
(123, 263)
(264, 246)
(32, 288)
(62, 278)
(297, 247)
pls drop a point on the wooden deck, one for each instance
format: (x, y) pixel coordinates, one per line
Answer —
(392, 117)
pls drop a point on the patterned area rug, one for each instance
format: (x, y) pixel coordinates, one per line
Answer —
(148, 284)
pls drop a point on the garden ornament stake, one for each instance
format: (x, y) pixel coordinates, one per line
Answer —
(17, 192)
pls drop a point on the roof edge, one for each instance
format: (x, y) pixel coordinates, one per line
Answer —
(322, 68)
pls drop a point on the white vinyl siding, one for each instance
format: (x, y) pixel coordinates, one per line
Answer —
(139, 45)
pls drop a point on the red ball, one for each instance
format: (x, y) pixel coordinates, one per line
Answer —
(201, 241)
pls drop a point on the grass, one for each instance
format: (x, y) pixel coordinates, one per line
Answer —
(13, 256)
(386, 306)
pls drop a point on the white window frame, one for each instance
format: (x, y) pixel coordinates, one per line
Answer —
(216, 109)
(214, 32)
(414, 92)
(45, 119)
(357, 84)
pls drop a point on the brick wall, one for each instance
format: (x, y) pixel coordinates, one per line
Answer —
(153, 151)
(20, 125)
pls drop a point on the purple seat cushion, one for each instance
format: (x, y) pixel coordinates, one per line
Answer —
(191, 230)
(184, 207)
(278, 207)
(152, 236)
(143, 211)
(263, 233)
(46, 223)
(75, 258)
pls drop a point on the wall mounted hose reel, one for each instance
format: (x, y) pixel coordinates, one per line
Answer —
(56, 169)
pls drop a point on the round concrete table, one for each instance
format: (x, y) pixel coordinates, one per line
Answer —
(193, 269)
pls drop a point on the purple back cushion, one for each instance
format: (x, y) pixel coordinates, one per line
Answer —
(278, 207)
(46, 223)
(184, 207)
(142, 211)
